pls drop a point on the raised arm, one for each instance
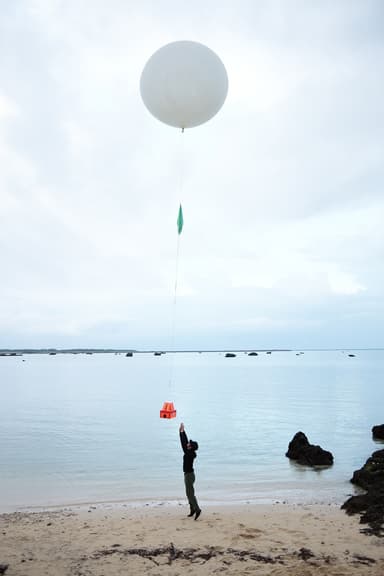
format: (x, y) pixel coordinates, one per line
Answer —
(183, 437)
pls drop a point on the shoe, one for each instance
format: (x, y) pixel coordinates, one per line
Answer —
(192, 513)
(197, 514)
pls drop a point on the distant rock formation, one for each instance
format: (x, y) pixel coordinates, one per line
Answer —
(378, 432)
(230, 355)
(303, 452)
(129, 354)
(253, 354)
(370, 506)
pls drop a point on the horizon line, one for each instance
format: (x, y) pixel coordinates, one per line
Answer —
(178, 351)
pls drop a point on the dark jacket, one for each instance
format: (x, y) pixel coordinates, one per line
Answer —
(189, 454)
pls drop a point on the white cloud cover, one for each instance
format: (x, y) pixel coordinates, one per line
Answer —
(282, 191)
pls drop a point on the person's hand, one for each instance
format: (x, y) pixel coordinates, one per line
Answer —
(181, 429)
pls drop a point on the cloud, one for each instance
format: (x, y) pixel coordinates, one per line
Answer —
(342, 283)
(8, 109)
(282, 190)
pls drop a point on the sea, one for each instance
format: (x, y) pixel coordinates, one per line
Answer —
(81, 429)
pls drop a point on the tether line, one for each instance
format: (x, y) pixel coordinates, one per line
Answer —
(180, 225)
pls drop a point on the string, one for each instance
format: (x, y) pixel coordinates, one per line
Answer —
(174, 307)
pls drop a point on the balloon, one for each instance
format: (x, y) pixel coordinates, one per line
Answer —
(184, 84)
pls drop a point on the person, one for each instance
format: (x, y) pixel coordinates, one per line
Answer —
(189, 448)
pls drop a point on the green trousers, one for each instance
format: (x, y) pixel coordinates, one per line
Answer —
(189, 480)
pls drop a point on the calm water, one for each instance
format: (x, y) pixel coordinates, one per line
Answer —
(86, 428)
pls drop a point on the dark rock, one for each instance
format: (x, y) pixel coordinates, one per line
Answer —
(3, 568)
(372, 473)
(351, 355)
(370, 505)
(230, 355)
(253, 354)
(378, 432)
(303, 452)
(129, 354)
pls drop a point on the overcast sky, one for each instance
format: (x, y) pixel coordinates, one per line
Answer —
(283, 239)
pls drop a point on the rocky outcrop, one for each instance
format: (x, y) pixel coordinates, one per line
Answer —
(303, 452)
(230, 355)
(370, 505)
(378, 432)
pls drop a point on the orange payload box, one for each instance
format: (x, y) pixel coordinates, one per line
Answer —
(168, 410)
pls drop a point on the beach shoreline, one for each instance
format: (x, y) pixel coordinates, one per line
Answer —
(258, 493)
(159, 538)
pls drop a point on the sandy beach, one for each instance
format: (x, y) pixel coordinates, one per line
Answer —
(278, 539)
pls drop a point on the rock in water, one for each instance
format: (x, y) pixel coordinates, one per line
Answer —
(303, 452)
(378, 432)
(370, 505)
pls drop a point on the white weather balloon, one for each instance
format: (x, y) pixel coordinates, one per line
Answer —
(184, 84)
